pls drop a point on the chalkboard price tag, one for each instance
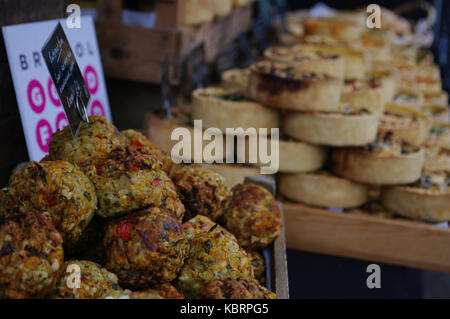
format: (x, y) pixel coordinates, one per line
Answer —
(67, 77)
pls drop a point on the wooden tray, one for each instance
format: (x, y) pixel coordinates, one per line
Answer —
(135, 53)
(392, 241)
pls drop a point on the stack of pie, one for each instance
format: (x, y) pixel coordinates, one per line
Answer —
(357, 111)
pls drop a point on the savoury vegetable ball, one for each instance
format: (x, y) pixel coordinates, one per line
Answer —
(253, 216)
(58, 188)
(259, 266)
(137, 141)
(31, 254)
(202, 191)
(146, 247)
(126, 181)
(214, 254)
(94, 142)
(199, 224)
(95, 281)
(232, 288)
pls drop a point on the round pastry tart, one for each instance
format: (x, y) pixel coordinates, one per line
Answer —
(356, 60)
(438, 99)
(349, 127)
(439, 135)
(278, 85)
(437, 159)
(313, 62)
(363, 94)
(294, 156)
(427, 200)
(408, 98)
(430, 85)
(429, 71)
(222, 7)
(217, 107)
(389, 82)
(406, 123)
(407, 72)
(197, 11)
(322, 189)
(439, 114)
(333, 28)
(159, 131)
(377, 46)
(233, 174)
(387, 161)
(236, 79)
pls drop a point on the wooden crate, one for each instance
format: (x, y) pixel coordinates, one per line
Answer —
(392, 241)
(135, 53)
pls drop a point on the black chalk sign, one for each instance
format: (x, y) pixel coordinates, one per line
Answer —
(67, 77)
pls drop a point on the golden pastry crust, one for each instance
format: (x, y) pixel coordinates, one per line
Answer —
(437, 98)
(408, 98)
(233, 174)
(363, 94)
(231, 288)
(439, 114)
(253, 216)
(385, 162)
(332, 129)
(428, 85)
(217, 107)
(323, 190)
(439, 135)
(429, 71)
(333, 28)
(197, 11)
(294, 156)
(309, 62)
(407, 72)
(279, 86)
(236, 79)
(356, 61)
(406, 123)
(437, 159)
(388, 80)
(159, 131)
(427, 200)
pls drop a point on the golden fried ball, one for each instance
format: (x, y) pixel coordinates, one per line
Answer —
(94, 142)
(127, 181)
(31, 254)
(145, 248)
(202, 191)
(59, 188)
(253, 216)
(95, 282)
(214, 254)
(138, 142)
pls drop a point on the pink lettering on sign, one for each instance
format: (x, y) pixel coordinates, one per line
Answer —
(91, 79)
(61, 121)
(43, 135)
(36, 96)
(97, 109)
(52, 93)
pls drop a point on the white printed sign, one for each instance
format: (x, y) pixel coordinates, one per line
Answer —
(39, 105)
